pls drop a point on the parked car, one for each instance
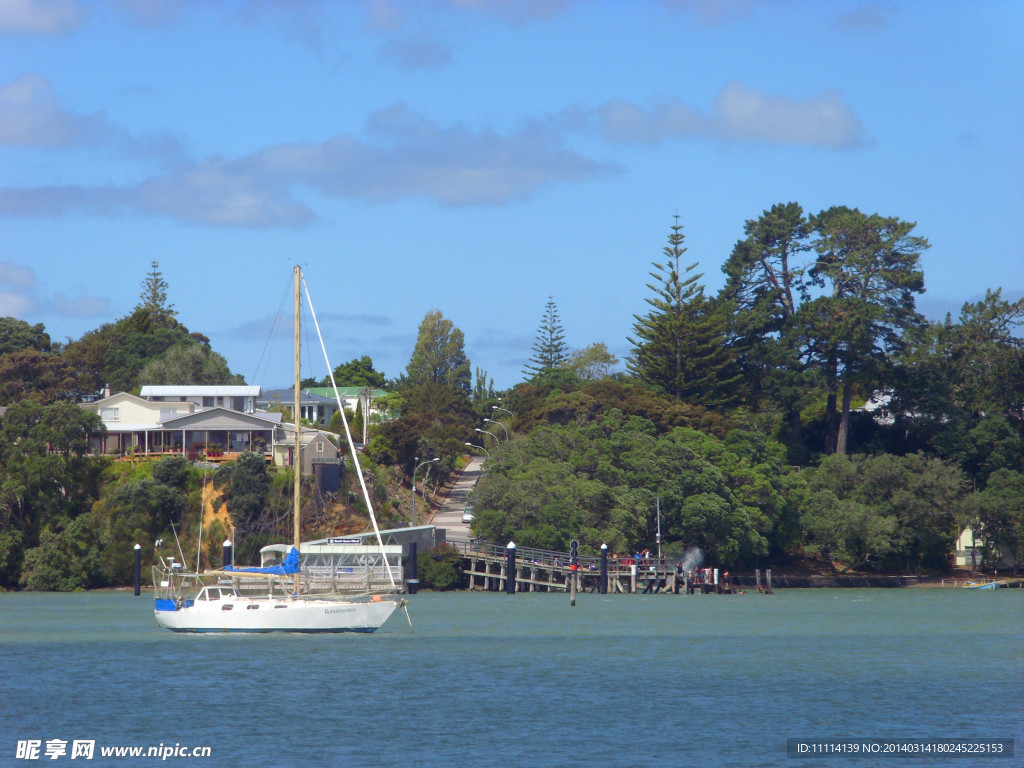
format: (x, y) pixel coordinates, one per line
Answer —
(467, 514)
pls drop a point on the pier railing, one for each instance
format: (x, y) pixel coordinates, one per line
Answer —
(552, 558)
(542, 557)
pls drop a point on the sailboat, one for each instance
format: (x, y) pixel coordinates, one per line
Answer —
(213, 601)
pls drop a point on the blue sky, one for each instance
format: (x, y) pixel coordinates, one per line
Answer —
(479, 156)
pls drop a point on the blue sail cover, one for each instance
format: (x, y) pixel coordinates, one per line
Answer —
(286, 568)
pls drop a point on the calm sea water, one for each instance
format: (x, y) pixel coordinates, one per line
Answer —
(494, 680)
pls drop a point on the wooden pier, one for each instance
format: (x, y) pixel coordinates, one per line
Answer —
(536, 570)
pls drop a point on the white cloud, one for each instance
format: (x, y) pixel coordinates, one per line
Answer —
(408, 155)
(417, 54)
(869, 17)
(743, 114)
(714, 11)
(404, 155)
(49, 201)
(83, 306)
(739, 114)
(31, 115)
(16, 284)
(385, 15)
(219, 193)
(15, 304)
(400, 155)
(40, 17)
(349, 320)
(152, 12)
(513, 11)
(16, 276)
(21, 298)
(627, 123)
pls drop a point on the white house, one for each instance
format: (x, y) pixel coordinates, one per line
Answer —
(312, 406)
(169, 426)
(969, 548)
(133, 422)
(240, 398)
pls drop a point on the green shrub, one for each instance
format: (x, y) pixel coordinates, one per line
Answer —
(439, 568)
(172, 471)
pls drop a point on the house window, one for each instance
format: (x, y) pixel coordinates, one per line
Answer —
(319, 447)
(110, 414)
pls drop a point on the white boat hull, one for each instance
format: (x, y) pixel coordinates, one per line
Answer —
(243, 614)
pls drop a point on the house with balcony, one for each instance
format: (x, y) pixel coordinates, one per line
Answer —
(349, 395)
(314, 407)
(133, 423)
(145, 426)
(223, 433)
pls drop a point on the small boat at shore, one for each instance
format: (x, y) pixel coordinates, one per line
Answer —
(984, 585)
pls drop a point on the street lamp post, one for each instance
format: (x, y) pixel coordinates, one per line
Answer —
(492, 421)
(506, 410)
(490, 434)
(472, 445)
(416, 469)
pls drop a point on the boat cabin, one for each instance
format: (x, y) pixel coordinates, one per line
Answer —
(216, 593)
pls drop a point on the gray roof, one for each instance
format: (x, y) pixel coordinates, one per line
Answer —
(309, 434)
(195, 390)
(220, 418)
(276, 417)
(287, 397)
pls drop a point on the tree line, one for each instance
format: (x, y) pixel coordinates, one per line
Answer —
(887, 433)
(807, 410)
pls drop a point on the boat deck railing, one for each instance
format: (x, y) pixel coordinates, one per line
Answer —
(352, 578)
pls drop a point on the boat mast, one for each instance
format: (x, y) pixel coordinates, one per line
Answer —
(296, 453)
(348, 437)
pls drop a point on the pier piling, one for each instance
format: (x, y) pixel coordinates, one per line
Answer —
(138, 569)
(603, 582)
(413, 579)
(510, 569)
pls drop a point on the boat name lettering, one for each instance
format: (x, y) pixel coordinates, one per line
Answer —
(339, 610)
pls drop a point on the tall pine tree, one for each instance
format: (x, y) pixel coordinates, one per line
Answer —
(679, 346)
(154, 297)
(549, 350)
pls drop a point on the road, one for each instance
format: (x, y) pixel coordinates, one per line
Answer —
(449, 516)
